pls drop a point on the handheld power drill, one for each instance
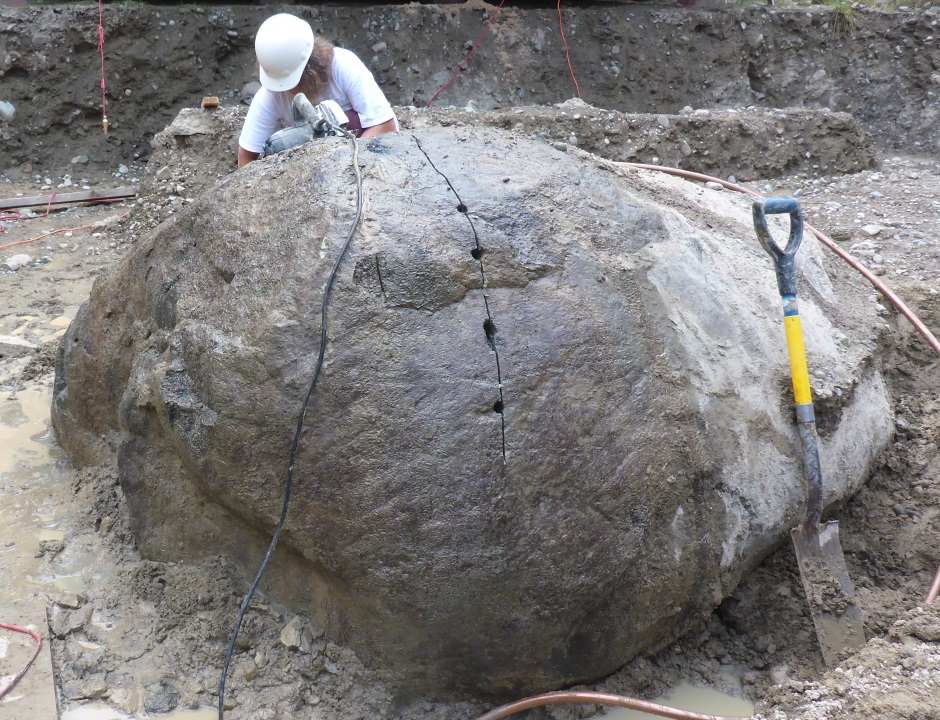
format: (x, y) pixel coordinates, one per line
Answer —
(310, 122)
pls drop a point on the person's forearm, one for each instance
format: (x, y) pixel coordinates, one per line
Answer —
(386, 127)
(246, 156)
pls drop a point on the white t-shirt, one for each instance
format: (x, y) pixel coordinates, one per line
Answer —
(352, 86)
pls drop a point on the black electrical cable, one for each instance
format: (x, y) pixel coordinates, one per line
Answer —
(300, 424)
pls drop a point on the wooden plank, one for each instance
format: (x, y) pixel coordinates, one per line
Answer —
(66, 198)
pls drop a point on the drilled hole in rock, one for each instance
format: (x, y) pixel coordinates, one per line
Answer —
(476, 253)
(462, 208)
(498, 407)
(489, 327)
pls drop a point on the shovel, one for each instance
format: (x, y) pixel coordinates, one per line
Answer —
(826, 581)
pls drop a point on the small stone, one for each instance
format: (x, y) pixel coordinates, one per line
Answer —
(7, 110)
(125, 700)
(12, 346)
(89, 690)
(292, 634)
(573, 140)
(162, 701)
(14, 263)
(380, 47)
(68, 600)
(563, 147)
(81, 160)
(872, 230)
(64, 622)
(712, 185)
(684, 148)
(50, 548)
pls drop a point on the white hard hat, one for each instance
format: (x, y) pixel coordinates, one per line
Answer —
(283, 45)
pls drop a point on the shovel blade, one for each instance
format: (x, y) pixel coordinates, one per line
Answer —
(829, 590)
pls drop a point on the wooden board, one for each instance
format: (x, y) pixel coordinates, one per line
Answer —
(66, 198)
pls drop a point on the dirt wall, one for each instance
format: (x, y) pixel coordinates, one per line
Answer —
(632, 58)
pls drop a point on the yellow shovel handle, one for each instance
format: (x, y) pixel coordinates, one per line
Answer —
(797, 352)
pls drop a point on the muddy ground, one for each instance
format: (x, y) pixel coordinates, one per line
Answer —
(148, 637)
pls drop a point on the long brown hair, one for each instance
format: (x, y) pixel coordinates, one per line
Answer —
(319, 71)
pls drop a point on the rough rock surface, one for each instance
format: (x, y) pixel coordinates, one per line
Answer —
(554, 421)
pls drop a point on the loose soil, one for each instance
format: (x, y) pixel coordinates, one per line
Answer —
(148, 637)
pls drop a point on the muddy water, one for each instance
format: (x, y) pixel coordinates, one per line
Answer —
(34, 481)
(706, 701)
(100, 711)
(35, 488)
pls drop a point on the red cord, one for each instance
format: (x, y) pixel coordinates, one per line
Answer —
(11, 216)
(54, 232)
(21, 673)
(104, 100)
(567, 55)
(463, 62)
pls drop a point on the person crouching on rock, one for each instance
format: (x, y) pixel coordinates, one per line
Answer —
(290, 62)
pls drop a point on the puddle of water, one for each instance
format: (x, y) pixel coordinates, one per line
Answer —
(70, 584)
(33, 484)
(686, 696)
(50, 535)
(93, 711)
(49, 337)
(100, 711)
(23, 423)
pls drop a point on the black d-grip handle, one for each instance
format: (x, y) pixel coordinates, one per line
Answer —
(783, 259)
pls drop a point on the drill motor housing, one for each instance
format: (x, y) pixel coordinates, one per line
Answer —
(310, 122)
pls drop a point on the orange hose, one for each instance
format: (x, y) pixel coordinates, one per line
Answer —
(54, 232)
(579, 696)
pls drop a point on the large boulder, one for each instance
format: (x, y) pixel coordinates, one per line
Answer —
(554, 425)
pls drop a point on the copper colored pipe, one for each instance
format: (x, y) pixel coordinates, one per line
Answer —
(579, 696)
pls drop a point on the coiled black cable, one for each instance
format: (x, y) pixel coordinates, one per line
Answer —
(300, 423)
